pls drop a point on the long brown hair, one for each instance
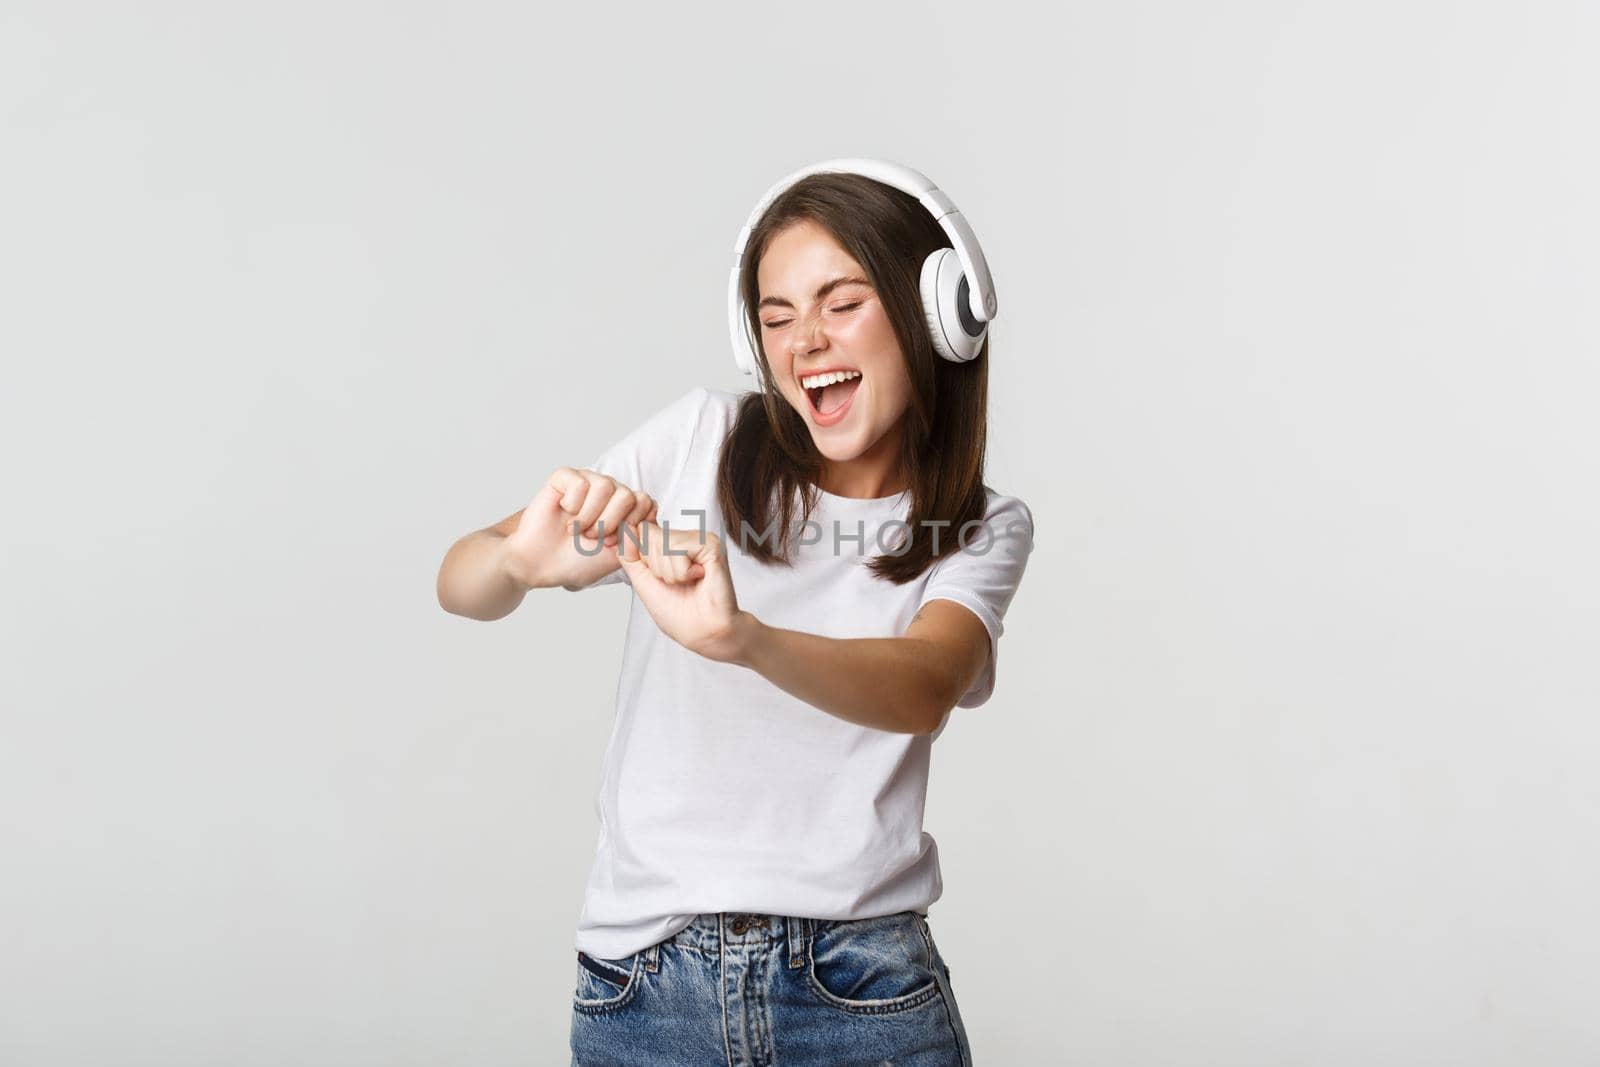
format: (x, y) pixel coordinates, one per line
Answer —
(769, 461)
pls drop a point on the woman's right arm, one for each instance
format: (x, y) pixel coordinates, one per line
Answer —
(486, 574)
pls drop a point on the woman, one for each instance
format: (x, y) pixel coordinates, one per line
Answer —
(761, 883)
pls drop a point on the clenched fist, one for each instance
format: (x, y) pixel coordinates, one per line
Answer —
(540, 552)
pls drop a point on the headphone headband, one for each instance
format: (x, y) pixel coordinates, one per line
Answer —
(966, 297)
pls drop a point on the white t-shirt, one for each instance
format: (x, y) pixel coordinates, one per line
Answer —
(723, 792)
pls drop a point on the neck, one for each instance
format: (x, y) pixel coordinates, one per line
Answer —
(875, 473)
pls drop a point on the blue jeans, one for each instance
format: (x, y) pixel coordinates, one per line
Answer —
(741, 989)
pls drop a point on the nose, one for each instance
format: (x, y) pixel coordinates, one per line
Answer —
(806, 338)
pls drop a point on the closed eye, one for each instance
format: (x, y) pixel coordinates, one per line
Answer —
(785, 322)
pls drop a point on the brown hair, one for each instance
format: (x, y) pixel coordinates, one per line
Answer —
(769, 460)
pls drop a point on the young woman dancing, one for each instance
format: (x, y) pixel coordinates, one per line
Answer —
(819, 576)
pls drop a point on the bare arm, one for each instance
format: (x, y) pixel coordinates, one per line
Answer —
(486, 573)
(903, 684)
(474, 579)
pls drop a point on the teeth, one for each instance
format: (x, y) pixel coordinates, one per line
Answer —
(816, 380)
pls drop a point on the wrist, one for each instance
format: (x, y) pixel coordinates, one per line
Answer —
(746, 635)
(511, 570)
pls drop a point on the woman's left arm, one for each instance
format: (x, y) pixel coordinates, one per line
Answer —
(902, 684)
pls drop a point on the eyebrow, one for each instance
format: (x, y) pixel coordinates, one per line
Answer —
(822, 291)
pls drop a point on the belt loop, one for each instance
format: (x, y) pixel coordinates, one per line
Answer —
(798, 929)
(652, 958)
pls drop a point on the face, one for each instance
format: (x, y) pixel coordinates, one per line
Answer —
(811, 325)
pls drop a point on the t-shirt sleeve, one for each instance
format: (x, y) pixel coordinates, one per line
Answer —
(651, 456)
(986, 581)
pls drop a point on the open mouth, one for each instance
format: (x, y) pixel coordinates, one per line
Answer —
(831, 399)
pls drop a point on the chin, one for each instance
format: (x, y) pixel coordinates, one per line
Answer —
(834, 453)
(843, 449)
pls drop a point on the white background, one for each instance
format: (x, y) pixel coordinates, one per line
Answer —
(1293, 757)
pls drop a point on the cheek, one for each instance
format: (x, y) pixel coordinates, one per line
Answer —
(783, 372)
(894, 397)
(889, 378)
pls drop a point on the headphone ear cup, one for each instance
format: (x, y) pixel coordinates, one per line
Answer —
(956, 335)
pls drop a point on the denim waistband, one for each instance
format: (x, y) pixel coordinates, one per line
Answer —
(715, 931)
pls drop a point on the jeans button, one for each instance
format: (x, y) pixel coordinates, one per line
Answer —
(739, 925)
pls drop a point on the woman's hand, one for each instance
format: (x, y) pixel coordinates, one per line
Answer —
(687, 590)
(540, 552)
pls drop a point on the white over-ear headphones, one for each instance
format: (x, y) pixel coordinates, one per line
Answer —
(957, 292)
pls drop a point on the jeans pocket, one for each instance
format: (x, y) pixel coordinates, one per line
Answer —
(605, 984)
(872, 966)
